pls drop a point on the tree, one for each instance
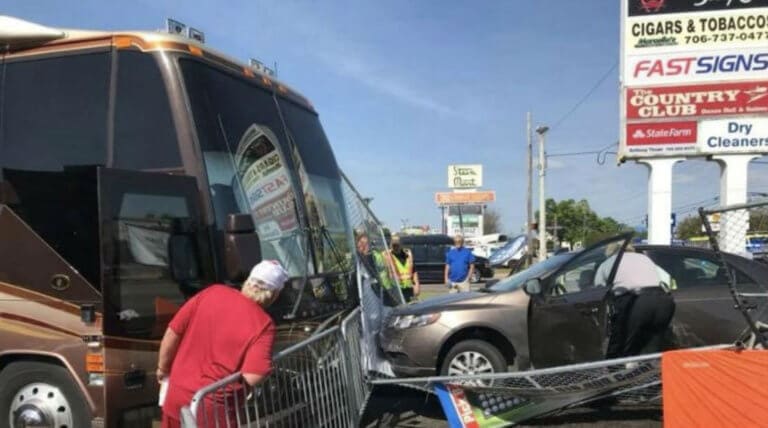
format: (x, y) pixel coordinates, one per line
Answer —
(577, 222)
(689, 227)
(491, 221)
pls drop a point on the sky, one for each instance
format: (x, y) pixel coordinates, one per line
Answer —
(405, 88)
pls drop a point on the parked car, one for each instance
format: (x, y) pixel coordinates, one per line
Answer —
(553, 313)
(429, 258)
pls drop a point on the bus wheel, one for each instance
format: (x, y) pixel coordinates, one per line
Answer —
(36, 394)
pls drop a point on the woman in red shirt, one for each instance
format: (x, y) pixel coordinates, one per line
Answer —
(218, 332)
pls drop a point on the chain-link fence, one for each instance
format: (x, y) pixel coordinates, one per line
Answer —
(741, 230)
(318, 382)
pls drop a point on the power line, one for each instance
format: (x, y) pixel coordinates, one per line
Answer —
(585, 97)
(679, 209)
(601, 153)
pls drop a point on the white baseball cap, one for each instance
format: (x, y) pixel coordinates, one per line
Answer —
(267, 275)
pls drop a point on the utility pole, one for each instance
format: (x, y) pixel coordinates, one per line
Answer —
(529, 221)
(541, 130)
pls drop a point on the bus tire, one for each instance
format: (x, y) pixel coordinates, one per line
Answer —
(30, 389)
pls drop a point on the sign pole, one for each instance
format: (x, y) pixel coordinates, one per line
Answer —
(659, 199)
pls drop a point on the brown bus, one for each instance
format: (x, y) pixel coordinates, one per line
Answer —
(135, 169)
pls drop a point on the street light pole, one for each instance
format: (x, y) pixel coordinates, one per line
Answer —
(529, 220)
(541, 130)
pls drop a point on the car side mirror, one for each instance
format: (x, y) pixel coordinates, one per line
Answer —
(532, 287)
(242, 249)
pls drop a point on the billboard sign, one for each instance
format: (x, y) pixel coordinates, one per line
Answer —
(685, 63)
(466, 224)
(646, 8)
(455, 198)
(688, 67)
(465, 176)
(719, 99)
(711, 31)
(659, 139)
(739, 135)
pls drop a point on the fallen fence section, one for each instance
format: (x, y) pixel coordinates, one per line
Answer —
(318, 382)
(508, 398)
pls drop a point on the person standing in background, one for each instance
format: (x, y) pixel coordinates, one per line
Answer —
(402, 260)
(459, 266)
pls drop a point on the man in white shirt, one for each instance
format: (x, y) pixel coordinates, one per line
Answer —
(642, 305)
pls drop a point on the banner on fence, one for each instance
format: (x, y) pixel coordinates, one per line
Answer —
(503, 402)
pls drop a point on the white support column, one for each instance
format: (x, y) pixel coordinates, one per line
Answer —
(734, 172)
(660, 199)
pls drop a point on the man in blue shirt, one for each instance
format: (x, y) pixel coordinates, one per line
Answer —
(459, 266)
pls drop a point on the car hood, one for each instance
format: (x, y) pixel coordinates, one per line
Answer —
(454, 301)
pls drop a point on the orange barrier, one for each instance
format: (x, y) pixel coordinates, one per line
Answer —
(715, 389)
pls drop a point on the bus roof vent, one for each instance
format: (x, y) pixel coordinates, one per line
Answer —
(15, 33)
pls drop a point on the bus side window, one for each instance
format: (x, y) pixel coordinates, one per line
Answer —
(54, 124)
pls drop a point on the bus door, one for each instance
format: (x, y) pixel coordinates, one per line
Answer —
(151, 236)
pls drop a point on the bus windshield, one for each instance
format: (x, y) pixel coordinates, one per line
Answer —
(270, 158)
(246, 160)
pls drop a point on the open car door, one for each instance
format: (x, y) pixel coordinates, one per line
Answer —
(567, 321)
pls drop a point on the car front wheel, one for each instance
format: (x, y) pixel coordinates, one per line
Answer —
(473, 357)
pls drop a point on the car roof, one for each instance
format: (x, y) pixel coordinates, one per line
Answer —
(680, 248)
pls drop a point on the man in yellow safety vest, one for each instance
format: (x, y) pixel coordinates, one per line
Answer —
(377, 263)
(402, 260)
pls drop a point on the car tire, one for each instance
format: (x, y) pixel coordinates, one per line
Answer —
(462, 350)
(29, 385)
(476, 276)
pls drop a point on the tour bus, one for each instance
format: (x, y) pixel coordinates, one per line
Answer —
(135, 169)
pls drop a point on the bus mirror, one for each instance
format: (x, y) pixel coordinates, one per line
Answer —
(240, 223)
(241, 247)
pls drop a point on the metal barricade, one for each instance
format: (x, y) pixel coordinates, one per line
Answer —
(318, 382)
(351, 330)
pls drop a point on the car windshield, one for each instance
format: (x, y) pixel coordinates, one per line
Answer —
(536, 271)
